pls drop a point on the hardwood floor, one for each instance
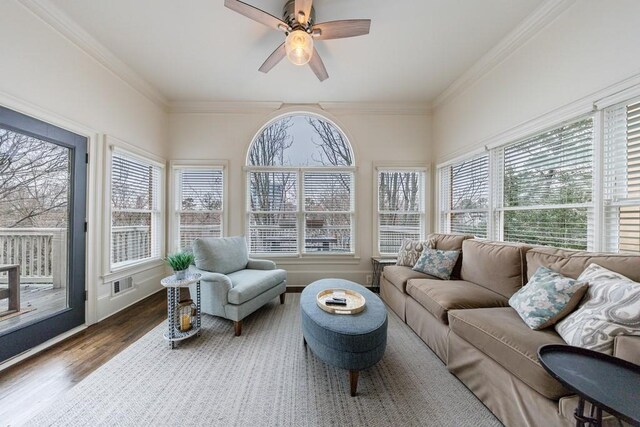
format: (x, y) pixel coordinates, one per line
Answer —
(28, 386)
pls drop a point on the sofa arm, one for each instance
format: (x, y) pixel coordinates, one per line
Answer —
(627, 347)
(209, 276)
(261, 264)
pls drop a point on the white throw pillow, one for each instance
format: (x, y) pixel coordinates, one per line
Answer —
(410, 251)
(611, 307)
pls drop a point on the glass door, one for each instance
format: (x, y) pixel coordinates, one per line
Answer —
(42, 231)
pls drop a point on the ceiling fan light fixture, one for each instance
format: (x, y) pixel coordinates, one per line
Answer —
(299, 47)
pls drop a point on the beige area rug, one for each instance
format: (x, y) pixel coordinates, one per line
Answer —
(266, 377)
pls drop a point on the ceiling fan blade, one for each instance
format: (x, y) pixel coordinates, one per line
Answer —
(256, 14)
(273, 59)
(317, 66)
(303, 10)
(341, 29)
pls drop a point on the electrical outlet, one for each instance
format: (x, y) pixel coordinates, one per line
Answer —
(368, 279)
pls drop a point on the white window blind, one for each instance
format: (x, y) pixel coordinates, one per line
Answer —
(547, 182)
(273, 208)
(464, 195)
(136, 223)
(199, 203)
(328, 211)
(401, 207)
(622, 177)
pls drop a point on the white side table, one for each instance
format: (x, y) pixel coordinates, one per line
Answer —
(173, 299)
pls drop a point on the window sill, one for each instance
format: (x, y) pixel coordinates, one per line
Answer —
(334, 259)
(135, 268)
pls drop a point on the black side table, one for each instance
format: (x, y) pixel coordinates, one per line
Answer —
(609, 383)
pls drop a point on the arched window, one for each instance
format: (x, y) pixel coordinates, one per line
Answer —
(300, 187)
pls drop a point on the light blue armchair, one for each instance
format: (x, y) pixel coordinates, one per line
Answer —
(233, 285)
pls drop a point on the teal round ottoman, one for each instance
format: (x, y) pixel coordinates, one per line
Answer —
(348, 341)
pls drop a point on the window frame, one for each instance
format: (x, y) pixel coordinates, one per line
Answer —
(174, 195)
(300, 212)
(445, 215)
(115, 146)
(495, 182)
(611, 201)
(424, 212)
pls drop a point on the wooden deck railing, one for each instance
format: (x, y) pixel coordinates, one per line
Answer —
(40, 252)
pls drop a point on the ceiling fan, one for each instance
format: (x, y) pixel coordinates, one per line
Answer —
(298, 23)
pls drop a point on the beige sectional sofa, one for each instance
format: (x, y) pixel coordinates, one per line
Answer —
(468, 323)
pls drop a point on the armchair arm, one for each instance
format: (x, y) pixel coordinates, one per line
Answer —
(209, 276)
(261, 264)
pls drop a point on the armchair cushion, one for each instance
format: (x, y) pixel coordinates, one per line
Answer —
(261, 264)
(221, 254)
(248, 284)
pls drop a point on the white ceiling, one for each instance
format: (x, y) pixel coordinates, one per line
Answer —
(198, 50)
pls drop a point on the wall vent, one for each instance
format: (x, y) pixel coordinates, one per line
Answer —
(121, 285)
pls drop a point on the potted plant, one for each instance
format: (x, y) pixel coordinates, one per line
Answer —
(180, 262)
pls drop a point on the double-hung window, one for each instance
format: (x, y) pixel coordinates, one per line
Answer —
(547, 187)
(538, 190)
(622, 177)
(300, 189)
(136, 217)
(401, 207)
(464, 196)
(199, 203)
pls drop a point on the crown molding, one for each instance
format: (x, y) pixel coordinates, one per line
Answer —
(63, 24)
(376, 108)
(525, 31)
(223, 107)
(247, 107)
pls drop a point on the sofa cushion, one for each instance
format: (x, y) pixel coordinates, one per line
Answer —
(436, 262)
(610, 308)
(572, 263)
(221, 254)
(547, 298)
(248, 284)
(398, 276)
(450, 242)
(497, 266)
(439, 296)
(502, 335)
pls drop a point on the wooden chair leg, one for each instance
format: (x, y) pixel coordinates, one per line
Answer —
(353, 381)
(282, 296)
(237, 326)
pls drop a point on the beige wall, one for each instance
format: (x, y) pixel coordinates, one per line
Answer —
(382, 137)
(590, 46)
(44, 75)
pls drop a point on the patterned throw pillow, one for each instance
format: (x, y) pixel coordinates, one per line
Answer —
(610, 308)
(547, 298)
(410, 251)
(437, 263)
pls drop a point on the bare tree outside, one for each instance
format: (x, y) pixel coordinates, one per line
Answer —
(34, 182)
(333, 149)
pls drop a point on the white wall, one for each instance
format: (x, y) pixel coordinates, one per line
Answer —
(377, 137)
(591, 46)
(46, 76)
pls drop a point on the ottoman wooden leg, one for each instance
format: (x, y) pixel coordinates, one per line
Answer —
(237, 327)
(282, 296)
(353, 381)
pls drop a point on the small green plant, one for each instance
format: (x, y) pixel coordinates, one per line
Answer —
(180, 260)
